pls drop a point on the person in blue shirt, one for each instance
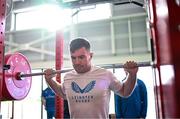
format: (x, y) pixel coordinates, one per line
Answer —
(48, 100)
(134, 106)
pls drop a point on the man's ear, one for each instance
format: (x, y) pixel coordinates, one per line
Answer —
(91, 54)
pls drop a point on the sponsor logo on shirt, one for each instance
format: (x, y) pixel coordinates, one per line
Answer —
(88, 87)
(84, 98)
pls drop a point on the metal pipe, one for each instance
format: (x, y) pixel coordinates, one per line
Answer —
(19, 75)
(140, 64)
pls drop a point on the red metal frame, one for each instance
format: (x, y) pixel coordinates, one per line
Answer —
(2, 38)
(59, 63)
(165, 18)
(157, 83)
(174, 33)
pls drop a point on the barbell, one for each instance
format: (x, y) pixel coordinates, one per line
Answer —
(18, 76)
(14, 89)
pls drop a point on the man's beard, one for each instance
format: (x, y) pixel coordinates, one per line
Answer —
(80, 68)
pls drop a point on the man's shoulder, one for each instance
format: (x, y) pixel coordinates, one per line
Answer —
(95, 68)
(73, 72)
(98, 69)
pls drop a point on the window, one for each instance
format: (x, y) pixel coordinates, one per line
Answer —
(52, 17)
(49, 17)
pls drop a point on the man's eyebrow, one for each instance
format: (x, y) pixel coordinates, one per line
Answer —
(81, 55)
(77, 56)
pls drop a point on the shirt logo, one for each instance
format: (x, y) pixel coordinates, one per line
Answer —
(87, 88)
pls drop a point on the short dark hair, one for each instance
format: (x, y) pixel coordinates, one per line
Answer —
(79, 43)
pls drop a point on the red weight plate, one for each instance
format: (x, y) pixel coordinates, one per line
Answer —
(14, 89)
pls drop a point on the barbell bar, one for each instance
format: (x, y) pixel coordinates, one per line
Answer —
(18, 77)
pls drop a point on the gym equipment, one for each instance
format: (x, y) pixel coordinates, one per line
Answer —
(59, 62)
(18, 76)
(14, 89)
(2, 45)
(22, 76)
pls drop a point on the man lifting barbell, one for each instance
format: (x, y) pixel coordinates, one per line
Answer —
(87, 88)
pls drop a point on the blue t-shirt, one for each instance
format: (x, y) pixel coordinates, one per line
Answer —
(135, 106)
(49, 96)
